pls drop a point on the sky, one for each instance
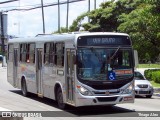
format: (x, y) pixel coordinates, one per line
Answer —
(29, 23)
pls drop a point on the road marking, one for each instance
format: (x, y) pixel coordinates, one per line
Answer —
(4, 109)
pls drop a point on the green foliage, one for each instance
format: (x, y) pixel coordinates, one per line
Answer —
(153, 74)
(62, 30)
(149, 65)
(77, 23)
(156, 76)
(143, 27)
(148, 74)
(143, 32)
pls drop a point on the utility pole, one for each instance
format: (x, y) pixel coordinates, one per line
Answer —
(67, 15)
(89, 4)
(95, 4)
(43, 17)
(58, 16)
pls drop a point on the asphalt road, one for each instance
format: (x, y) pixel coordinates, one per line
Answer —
(12, 99)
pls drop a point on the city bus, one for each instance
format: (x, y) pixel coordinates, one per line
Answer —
(77, 69)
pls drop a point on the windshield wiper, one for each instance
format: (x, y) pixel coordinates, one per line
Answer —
(114, 53)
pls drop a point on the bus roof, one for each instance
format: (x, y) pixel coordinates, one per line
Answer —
(61, 37)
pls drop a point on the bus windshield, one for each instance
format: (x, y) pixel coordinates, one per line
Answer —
(103, 63)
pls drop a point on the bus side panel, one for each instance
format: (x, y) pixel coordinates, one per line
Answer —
(10, 72)
(10, 64)
(19, 75)
(49, 75)
(31, 78)
(28, 71)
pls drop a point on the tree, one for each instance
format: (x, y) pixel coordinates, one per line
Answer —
(105, 18)
(62, 30)
(143, 28)
(139, 18)
(77, 23)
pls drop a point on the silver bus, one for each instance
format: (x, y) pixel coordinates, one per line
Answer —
(78, 69)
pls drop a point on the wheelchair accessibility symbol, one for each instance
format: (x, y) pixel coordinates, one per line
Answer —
(111, 76)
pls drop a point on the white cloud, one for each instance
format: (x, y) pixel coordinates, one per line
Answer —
(29, 23)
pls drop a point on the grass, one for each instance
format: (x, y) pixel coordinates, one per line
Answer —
(149, 66)
(155, 84)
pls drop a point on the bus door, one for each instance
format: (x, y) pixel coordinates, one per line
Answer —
(70, 79)
(15, 66)
(39, 71)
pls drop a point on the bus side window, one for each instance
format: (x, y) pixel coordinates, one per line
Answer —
(10, 52)
(23, 52)
(55, 55)
(59, 54)
(31, 53)
(27, 53)
(46, 53)
(20, 59)
(51, 53)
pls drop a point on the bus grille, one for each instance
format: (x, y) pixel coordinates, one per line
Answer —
(106, 99)
(104, 93)
(106, 87)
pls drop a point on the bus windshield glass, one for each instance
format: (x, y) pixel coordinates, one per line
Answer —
(100, 64)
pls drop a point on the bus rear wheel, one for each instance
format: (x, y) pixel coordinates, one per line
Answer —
(24, 88)
(60, 101)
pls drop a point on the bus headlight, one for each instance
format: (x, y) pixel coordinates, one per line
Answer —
(129, 89)
(83, 90)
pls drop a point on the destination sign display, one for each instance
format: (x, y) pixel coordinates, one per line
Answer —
(103, 40)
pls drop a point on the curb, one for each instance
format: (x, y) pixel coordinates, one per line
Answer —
(156, 90)
(156, 94)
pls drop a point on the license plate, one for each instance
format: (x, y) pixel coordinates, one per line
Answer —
(143, 90)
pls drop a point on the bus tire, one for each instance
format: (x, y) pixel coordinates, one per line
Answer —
(24, 88)
(60, 101)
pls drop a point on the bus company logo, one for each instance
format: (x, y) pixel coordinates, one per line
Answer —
(107, 93)
(6, 114)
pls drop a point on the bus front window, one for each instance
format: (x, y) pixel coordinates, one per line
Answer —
(95, 63)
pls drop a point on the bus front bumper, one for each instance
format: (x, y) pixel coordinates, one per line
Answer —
(104, 100)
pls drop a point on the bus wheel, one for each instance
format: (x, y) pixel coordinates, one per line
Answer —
(60, 101)
(24, 88)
